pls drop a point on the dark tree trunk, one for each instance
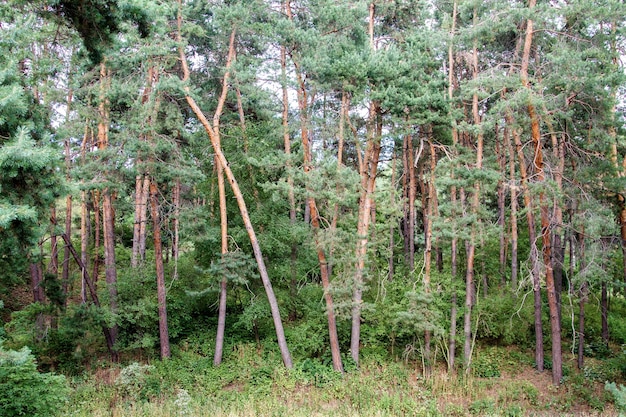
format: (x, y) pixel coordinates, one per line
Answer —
(604, 312)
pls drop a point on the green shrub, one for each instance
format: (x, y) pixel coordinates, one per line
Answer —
(487, 363)
(24, 391)
(619, 395)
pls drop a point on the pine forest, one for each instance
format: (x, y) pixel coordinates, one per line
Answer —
(312, 207)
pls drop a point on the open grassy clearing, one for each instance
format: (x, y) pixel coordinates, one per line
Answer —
(250, 383)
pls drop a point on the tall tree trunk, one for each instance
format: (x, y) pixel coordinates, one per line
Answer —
(213, 133)
(368, 185)
(453, 198)
(392, 227)
(293, 282)
(108, 213)
(160, 272)
(428, 225)
(534, 252)
(555, 325)
(471, 245)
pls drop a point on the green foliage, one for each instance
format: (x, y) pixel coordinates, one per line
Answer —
(132, 379)
(619, 395)
(26, 391)
(487, 364)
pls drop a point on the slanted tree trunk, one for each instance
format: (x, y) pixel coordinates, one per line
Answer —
(213, 133)
(92, 291)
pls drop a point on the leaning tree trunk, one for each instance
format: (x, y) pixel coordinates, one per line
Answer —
(213, 134)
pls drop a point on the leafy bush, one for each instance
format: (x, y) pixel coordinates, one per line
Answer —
(24, 391)
(487, 364)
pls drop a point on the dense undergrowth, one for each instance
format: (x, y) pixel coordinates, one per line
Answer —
(252, 382)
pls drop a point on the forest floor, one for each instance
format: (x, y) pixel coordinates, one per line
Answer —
(253, 384)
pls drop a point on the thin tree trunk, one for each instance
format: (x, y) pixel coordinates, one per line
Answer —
(293, 282)
(108, 212)
(392, 228)
(534, 252)
(176, 225)
(604, 313)
(221, 318)
(581, 325)
(555, 325)
(97, 226)
(453, 198)
(213, 133)
(54, 247)
(314, 215)
(143, 217)
(84, 242)
(583, 293)
(160, 272)
(134, 260)
(368, 185)
(471, 245)
(501, 155)
(513, 191)
(411, 191)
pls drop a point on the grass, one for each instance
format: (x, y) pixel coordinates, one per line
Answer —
(250, 383)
